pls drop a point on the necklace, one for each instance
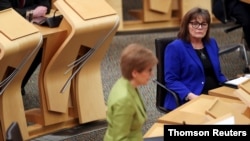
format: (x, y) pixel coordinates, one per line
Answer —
(197, 44)
(201, 53)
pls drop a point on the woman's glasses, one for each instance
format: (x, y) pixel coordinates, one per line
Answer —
(197, 25)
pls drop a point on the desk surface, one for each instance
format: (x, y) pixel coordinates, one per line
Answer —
(194, 111)
(46, 31)
(225, 92)
(246, 1)
(155, 131)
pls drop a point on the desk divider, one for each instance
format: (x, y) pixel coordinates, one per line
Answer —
(243, 92)
(245, 86)
(19, 43)
(157, 10)
(93, 35)
(243, 96)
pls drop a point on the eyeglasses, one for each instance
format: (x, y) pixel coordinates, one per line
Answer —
(196, 25)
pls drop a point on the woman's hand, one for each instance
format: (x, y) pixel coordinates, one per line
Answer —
(39, 11)
(191, 96)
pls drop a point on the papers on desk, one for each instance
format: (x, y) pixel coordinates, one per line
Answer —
(227, 119)
(237, 81)
(39, 20)
(247, 75)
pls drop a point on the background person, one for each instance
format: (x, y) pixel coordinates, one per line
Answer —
(29, 9)
(38, 8)
(191, 62)
(234, 9)
(126, 112)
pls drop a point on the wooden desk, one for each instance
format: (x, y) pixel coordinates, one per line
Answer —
(155, 131)
(44, 120)
(194, 111)
(225, 92)
(244, 92)
(246, 1)
(186, 5)
(154, 17)
(47, 31)
(83, 35)
(19, 44)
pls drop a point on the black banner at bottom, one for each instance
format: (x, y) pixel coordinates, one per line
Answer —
(173, 131)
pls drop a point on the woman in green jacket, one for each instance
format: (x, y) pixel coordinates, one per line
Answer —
(126, 112)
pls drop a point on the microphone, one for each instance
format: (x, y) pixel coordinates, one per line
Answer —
(55, 13)
(53, 21)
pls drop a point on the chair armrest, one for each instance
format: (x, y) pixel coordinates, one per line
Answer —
(230, 49)
(170, 91)
(232, 28)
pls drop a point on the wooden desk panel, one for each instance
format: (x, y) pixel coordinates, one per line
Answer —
(61, 111)
(246, 1)
(179, 8)
(245, 86)
(153, 12)
(244, 93)
(155, 131)
(193, 112)
(47, 31)
(18, 48)
(186, 5)
(225, 92)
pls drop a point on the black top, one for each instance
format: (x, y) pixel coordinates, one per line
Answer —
(211, 81)
(28, 5)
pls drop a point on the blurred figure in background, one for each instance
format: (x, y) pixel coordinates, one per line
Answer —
(26, 8)
(234, 9)
(29, 9)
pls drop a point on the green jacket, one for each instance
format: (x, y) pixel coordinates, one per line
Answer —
(126, 113)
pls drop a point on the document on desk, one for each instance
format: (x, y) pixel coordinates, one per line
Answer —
(237, 81)
(227, 119)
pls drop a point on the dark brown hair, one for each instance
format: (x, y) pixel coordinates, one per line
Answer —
(194, 13)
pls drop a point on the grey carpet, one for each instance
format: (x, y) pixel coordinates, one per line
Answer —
(231, 63)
